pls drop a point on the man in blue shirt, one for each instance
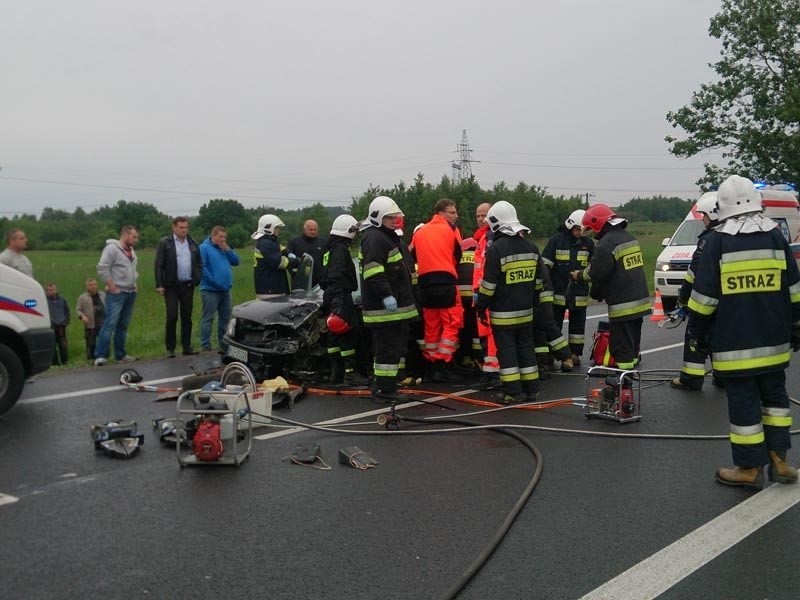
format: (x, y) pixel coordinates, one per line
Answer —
(215, 285)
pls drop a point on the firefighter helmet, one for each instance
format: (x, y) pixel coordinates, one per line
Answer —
(574, 219)
(380, 207)
(344, 226)
(737, 196)
(502, 217)
(337, 325)
(707, 204)
(597, 216)
(267, 225)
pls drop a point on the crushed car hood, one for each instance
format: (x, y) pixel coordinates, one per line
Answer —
(290, 311)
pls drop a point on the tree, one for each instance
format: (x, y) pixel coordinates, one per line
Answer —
(752, 111)
(220, 212)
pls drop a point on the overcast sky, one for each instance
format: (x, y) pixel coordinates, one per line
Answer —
(289, 103)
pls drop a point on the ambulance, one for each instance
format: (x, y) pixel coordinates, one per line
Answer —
(780, 204)
(26, 340)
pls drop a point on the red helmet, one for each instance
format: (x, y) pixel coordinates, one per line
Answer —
(337, 325)
(597, 216)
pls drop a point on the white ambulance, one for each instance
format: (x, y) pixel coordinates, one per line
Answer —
(779, 203)
(26, 340)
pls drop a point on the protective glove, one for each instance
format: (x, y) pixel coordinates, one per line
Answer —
(483, 314)
(294, 262)
(678, 314)
(795, 338)
(697, 345)
(390, 303)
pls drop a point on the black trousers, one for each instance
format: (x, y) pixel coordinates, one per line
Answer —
(759, 412)
(624, 338)
(60, 350)
(517, 357)
(179, 299)
(90, 335)
(390, 343)
(576, 333)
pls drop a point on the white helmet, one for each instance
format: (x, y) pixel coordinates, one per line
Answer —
(502, 217)
(707, 204)
(267, 225)
(344, 226)
(574, 219)
(380, 207)
(737, 196)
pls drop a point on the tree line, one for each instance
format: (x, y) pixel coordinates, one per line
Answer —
(58, 229)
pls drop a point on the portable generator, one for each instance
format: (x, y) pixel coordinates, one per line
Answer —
(613, 394)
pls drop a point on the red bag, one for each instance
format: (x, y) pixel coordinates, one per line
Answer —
(601, 352)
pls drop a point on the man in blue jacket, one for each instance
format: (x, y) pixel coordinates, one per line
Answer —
(215, 285)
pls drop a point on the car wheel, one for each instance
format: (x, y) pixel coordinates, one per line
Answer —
(12, 378)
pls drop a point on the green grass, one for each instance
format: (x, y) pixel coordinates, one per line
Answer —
(69, 270)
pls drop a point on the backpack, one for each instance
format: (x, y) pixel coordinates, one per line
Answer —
(601, 353)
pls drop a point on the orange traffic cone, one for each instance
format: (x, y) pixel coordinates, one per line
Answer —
(658, 309)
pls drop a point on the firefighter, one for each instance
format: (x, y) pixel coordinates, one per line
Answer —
(547, 337)
(339, 280)
(693, 371)
(745, 307)
(271, 262)
(507, 297)
(566, 251)
(490, 366)
(469, 346)
(437, 248)
(387, 298)
(616, 275)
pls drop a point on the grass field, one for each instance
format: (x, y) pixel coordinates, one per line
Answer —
(69, 270)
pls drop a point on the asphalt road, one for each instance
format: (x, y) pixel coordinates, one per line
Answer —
(613, 516)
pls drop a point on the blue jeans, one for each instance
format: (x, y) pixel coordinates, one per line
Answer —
(119, 310)
(219, 303)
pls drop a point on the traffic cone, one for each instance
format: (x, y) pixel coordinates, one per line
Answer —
(658, 309)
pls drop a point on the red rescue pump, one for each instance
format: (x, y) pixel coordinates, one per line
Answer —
(207, 441)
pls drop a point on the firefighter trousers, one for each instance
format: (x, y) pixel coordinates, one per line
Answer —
(389, 342)
(760, 417)
(576, 332)
(624, 338)
(693, 370)
(515, 352)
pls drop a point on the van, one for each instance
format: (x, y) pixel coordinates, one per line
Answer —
(779, 204)
(26, 340)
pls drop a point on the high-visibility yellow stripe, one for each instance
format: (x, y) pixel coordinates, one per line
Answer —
(747, 440)
(776, 421)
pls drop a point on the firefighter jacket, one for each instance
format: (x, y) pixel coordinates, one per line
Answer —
(563, 254)
(512, 281)
(616, 274)
(465, 270)
(745, 301)
(339, 278)
(686, 287)
(271, 267)
(385, 272)
(437, 248)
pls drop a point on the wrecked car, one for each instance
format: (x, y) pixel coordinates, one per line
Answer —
(283, 335)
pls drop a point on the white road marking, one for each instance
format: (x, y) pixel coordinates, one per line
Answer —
(7, 499)
(100, 390)
(664, 569)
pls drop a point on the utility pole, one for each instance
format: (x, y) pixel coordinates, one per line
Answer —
(462, 171)
(588, 195)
